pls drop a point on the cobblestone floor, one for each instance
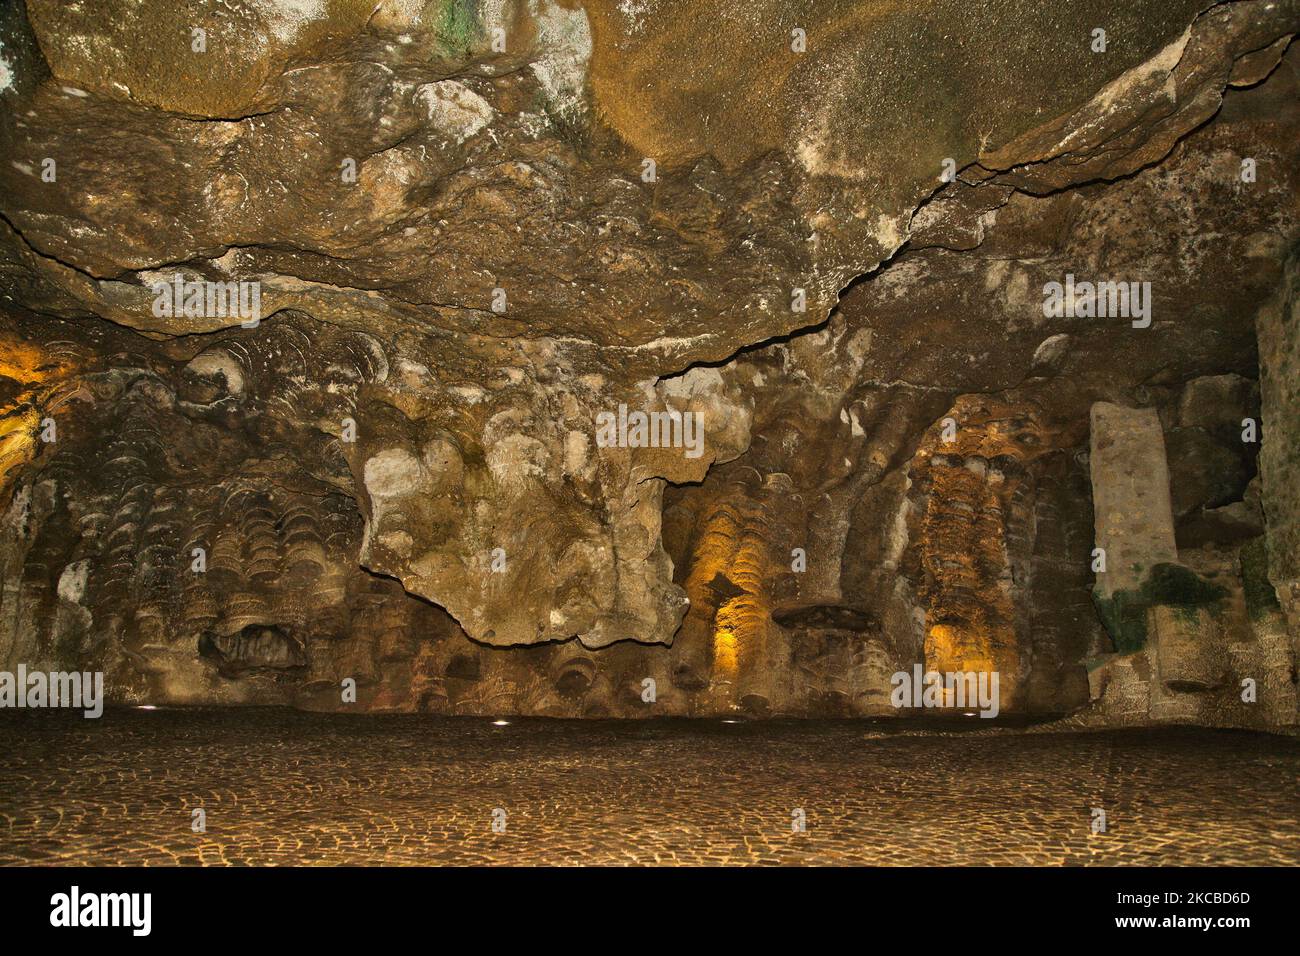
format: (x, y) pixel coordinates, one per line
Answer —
(281, 787)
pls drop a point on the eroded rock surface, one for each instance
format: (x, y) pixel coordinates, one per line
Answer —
(651, 358)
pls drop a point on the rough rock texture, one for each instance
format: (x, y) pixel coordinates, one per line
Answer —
(1130, 497)
(823, 232)
(1198, 630)
(1279, 354)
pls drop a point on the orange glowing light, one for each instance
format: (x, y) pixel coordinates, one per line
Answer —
(724, 650)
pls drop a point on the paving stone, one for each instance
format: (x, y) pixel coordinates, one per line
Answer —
(283, 787)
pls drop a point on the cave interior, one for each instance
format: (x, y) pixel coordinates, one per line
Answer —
(618, 360)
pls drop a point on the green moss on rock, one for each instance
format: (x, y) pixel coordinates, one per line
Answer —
(1124, 613)
(457, 26)
(1261, 598)
(1180, 587)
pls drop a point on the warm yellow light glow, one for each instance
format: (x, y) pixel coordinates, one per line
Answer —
(17, 437)
(950, 648)
(22, 361)
(724, 650)
(728, 586)
(40, 377)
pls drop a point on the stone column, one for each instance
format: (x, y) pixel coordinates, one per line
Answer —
(1132, 513)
